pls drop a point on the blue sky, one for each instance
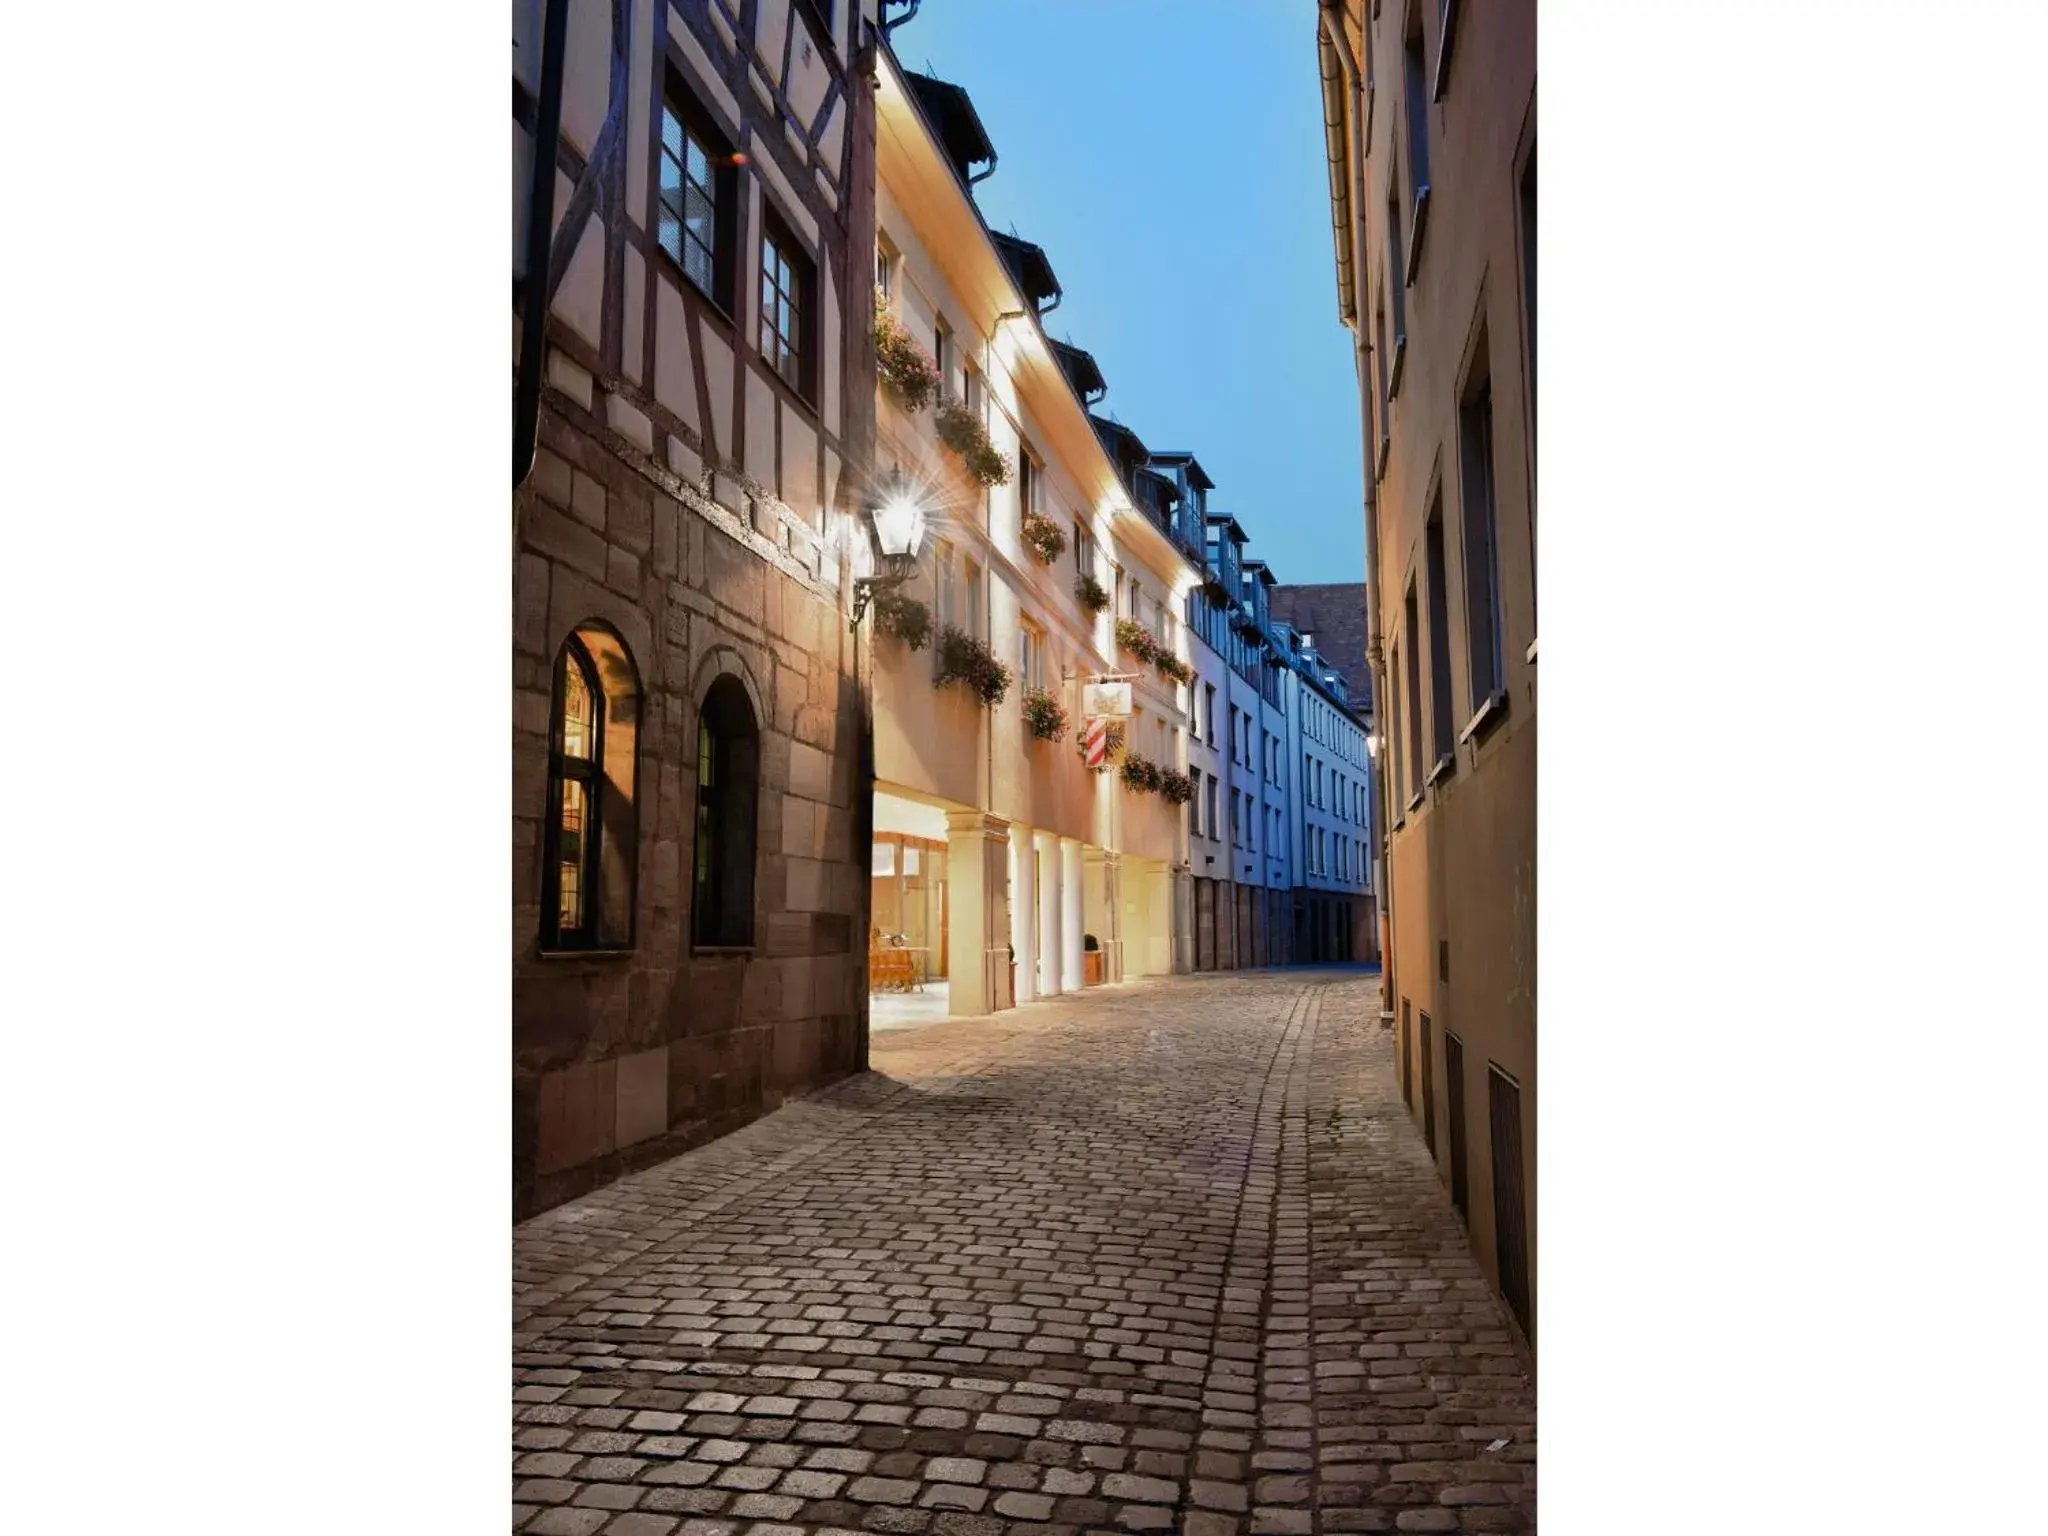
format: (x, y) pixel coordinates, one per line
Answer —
(1168, 154)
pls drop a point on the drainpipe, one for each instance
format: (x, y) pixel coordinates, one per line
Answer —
(540, 221)
(1336, 46)
(981, 176)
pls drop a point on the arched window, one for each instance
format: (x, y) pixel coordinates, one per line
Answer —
(591, 846)
(728, 779)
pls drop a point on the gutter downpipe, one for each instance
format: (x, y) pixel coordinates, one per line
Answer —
(1339, 47)
(540, 221)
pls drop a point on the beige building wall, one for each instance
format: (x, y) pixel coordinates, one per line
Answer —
(1110, 855)
(1433, 315)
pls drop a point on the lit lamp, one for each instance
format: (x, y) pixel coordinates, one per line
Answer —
(896, 529)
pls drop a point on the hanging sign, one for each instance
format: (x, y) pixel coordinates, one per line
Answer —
(1095, 741)
(1110, 700)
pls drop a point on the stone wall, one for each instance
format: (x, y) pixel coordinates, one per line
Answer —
(622, 1059)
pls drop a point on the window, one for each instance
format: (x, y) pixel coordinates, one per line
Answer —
(885, 267)
(1415, 87)
(942, 350)
(699, 208)
(1529, 281)
(1397, 301)
(1442, 732)
(1209, 710)
(1027, 484)
(786, 289)
(1407, 1058)
(1428, 1090)
(1454, 1097)
(970, 392)
(1030, 655)
(728, 784)
(1480, 551)
(1382, 342)
(1400, 768)
(1414, 641)
(970, 591)
(1233, 733)
(1529, 340)
(945, 599)
(1210, 790)
(590, 846)
(1084, 549)
(1510, 1221)
(1235, 837)
(1446, 34)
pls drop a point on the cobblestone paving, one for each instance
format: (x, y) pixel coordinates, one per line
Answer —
(1166, 1257)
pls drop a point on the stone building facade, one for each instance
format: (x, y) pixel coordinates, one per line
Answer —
(687, 717)
(1430, 132)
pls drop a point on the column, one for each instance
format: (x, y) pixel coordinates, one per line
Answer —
(1183, 921)
(1051, 974)
(1023, 912)
(1070, 911)
(1112, 916)
(977, 887)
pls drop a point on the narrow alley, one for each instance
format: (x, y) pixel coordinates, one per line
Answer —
(1164, 1256)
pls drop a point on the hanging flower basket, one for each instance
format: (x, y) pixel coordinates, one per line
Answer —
(962, 431)
(1043, 714)
(1136, 639)
(964, 659)
(1090, 594)
(1044, 537)
(903, 618)
(1143, 775)
(1175, 787)
(910, 375)
(1172, 667)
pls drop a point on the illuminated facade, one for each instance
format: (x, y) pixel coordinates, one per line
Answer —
(1002, 868)
(688, 881)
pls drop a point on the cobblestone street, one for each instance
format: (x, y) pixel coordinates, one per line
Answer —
(1168, 1256)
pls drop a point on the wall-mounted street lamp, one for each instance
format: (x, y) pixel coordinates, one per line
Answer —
(896, 530)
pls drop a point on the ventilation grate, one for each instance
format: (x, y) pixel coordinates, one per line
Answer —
(1510, 1224)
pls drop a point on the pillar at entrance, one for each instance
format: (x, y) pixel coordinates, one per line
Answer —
(978, 919)
(1049, 977)
(1070, 914)
(1183, 921)
(1113, 905)
(1023, 912)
